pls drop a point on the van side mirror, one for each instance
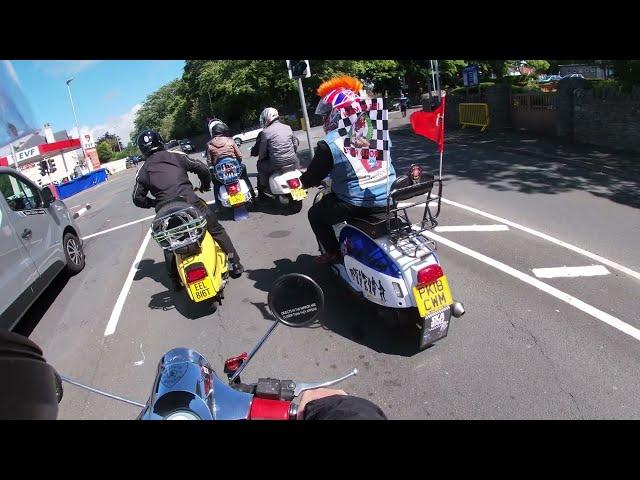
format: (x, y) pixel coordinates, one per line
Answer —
(47, 197)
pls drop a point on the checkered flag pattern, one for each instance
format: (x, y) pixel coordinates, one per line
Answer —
(379, 117)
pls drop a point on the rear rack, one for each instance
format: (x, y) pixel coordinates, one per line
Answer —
(406, 236)
(190, 226)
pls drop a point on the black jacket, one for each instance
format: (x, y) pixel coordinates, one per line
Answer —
(320, 166)
(164, 174)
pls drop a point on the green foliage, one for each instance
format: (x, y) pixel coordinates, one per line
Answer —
(105, 153)
(598, 84)
(238, 90)
(541, 66)
(627, 73)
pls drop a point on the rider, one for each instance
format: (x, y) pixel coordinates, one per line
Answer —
(275, 147)
(32, 389)
(359, 187)
(164, 174)
(222, 146)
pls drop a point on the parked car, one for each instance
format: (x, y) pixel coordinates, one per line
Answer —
(186, 146)
(171, 144)
(39, 239)
(247, 135)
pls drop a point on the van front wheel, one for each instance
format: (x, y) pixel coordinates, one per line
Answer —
(73, 253)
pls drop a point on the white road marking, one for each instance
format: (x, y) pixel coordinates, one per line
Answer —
(406, 204)
(472, 228)
(549, 238)
(140, 362)
(124, 225)
(589, 271)
(118, 227)
(565, 297)
(117, 309)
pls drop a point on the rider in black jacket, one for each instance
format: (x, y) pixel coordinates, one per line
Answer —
(164, 175)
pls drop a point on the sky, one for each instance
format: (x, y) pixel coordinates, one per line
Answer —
(106, 93)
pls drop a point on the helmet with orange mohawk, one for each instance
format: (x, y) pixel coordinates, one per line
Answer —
(337, 93)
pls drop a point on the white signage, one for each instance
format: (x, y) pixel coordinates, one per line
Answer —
(87, 141)
(24, 154)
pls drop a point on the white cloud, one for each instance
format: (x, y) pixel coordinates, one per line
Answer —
(57, 68)
(12, 72)
(122, 125)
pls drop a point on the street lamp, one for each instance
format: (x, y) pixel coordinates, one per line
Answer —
(75, 117)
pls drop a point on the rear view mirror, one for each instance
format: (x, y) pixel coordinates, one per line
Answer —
(296, 300)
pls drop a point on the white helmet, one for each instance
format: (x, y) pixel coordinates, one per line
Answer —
(268, 116)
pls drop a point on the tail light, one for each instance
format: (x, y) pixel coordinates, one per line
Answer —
(429, 274)
(294, 183)
(233, 188)
(196, 272)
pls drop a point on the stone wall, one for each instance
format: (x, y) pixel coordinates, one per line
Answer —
(607, 118)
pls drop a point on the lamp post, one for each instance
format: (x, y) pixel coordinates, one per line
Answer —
(75, 117)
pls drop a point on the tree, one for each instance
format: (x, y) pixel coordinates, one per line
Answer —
(157, 109)
(627, 72)
(112, 139)
(540, 66)
(105, 153)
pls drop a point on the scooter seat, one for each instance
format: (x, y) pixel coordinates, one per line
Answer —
(375, 224)
(288, 168)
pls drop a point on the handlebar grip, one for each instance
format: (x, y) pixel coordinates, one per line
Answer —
(264, 409)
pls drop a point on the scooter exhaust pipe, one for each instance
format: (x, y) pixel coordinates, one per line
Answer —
(457, 309)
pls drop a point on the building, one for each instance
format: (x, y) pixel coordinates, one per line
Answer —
(587, 71)
(59, 149)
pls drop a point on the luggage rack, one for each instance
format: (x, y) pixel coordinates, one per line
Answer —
(179, 229)
(406, 236)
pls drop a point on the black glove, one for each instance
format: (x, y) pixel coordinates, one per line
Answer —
(343, 407)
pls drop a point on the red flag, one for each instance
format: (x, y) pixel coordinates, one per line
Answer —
(430, 124)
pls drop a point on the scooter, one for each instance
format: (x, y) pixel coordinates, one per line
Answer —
(233, 193)
(388, 261)
(285, 186)
(203, 266)
(187, 388)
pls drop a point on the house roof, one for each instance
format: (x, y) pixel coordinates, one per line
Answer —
(38, 139)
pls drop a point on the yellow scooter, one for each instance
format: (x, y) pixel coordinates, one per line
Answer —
(202, 265)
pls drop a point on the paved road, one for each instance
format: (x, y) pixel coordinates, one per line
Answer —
(528, 347)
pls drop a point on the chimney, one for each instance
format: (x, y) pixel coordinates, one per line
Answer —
(48, 133)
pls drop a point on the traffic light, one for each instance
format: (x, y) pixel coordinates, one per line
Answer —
(298, 68)
(44, 168)
(52, 166)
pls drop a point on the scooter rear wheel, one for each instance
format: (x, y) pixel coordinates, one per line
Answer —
(295, 206)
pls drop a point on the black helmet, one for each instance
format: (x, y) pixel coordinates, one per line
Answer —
(149, 141)
(218, 128)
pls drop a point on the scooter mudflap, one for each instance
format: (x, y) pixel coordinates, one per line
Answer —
(240, 213)
(435, 327)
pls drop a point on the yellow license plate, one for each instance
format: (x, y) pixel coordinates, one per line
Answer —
(201, 290)
(236, 198)
(298, 193)
(433, 297)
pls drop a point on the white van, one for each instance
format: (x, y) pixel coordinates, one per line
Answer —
(38, 240)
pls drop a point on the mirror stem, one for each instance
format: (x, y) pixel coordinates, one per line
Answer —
(253, 351)
(100, 392)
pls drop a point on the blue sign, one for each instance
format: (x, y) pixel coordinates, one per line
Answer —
(471, 76)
